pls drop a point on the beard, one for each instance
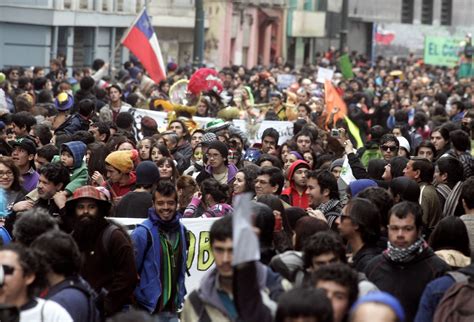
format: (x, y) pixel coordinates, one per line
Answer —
(86, 231)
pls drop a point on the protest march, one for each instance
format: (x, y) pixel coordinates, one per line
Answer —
(339, 191)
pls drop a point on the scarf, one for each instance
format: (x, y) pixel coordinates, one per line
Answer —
(168, 226)
(329, 206)
(405, 255)
(331, 210)
(452, 200)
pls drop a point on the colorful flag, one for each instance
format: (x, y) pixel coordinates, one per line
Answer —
(333, 100)
(354, 131)
(345, 66)
(384, 37)
(141, 40)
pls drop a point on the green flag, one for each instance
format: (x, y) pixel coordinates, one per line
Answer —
(346, 66)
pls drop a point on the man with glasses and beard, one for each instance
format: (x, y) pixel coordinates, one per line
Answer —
(108, 260)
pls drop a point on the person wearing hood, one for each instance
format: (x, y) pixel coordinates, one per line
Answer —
(160, 254)
(71, 156)
(218, 165)
(296, 192)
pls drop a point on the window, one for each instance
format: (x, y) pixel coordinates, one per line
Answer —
(427, 12)
(408, 7)
(446, 12)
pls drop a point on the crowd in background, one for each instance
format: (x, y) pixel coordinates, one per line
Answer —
(365, 214)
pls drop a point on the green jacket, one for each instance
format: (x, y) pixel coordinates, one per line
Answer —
(78, 176)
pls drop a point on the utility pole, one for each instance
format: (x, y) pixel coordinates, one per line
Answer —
(344, 25)
(198, 34)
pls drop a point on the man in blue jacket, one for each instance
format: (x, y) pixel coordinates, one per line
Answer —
(160, 256)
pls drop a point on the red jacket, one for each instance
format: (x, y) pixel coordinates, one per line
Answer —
(119, 191)
(296, 199)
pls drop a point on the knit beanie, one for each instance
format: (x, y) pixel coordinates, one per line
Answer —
(336, 163)
(147, 173)
(361, 184)
(221, 147)
(122, 160)
(382, 298)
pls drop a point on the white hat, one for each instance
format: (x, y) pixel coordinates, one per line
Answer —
(403, 143)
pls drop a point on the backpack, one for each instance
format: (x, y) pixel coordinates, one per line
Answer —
(95, 313)
(457, 304)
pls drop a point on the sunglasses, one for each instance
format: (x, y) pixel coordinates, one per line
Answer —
(386, 147)
(7, 269)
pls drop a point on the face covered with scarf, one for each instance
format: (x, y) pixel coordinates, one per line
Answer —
(404, 239)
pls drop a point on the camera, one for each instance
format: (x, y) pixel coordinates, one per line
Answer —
(5, 270)
(335, 133)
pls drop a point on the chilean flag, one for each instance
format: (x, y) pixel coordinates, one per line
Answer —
(141, 40)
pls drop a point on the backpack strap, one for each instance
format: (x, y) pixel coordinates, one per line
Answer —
(198, 307)
(148, 226)
(458, 277)
(107, 236)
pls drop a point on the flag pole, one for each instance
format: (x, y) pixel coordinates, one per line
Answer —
(119, 44)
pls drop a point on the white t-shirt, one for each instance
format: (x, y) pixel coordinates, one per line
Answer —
(45, 311)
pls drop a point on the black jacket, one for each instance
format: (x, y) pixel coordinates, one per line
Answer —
(408, 280)
(73, 124)
(364, 256)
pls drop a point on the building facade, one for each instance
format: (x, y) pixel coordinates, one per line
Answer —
(34, 31)
(243, 32)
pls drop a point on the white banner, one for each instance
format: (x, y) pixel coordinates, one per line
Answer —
(200, 258)
(253, 131)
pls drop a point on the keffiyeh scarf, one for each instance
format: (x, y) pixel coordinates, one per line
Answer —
(405, 255)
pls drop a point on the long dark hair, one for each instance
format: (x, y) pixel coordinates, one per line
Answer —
(451, 233)
(98, 153)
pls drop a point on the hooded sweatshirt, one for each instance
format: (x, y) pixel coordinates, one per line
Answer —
(79, 174)
(296, 199)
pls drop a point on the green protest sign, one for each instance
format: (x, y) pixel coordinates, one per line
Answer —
(442, 51)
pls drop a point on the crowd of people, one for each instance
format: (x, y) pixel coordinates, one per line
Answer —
(365, 214)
